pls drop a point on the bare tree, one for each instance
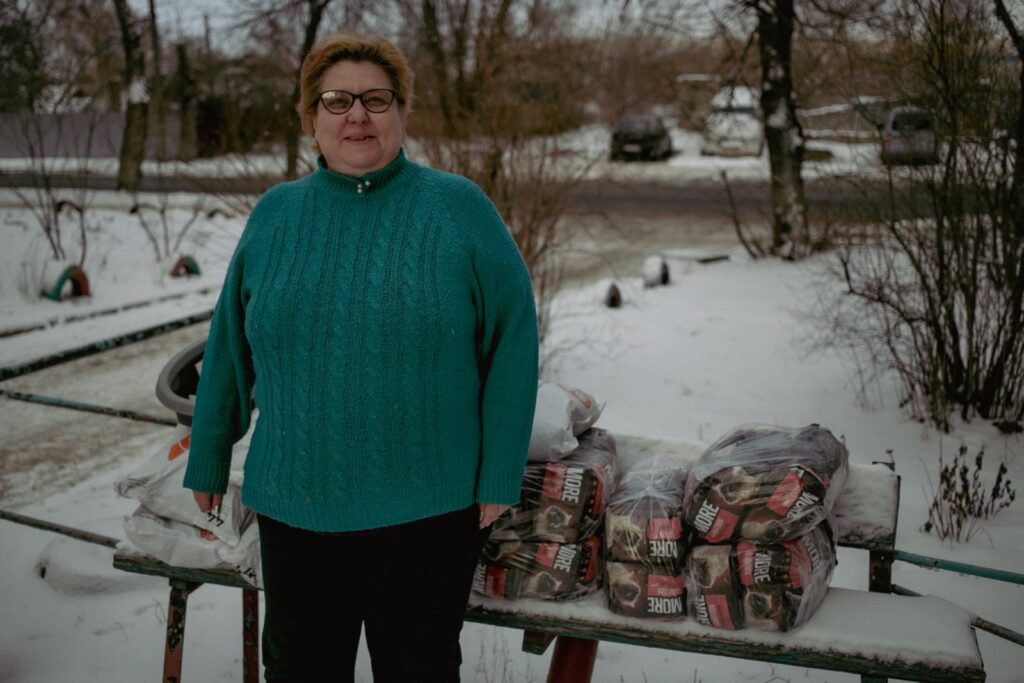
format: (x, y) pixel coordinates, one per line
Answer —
(188, 101)
(782, 130)
(157, 102)
(133, 141)
(314, 15)
(48, 113)
(497, 84)
(937, 296)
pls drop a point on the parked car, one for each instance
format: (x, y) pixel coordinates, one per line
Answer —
(733, 126)
(908, 137)
(641, 136)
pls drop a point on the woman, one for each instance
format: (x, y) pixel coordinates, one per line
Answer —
(383, 321)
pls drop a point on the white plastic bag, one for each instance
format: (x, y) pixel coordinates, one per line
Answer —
(561, 415)
(183, 545)
(157, 484)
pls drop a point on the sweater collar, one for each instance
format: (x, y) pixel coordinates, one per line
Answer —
(371, 182)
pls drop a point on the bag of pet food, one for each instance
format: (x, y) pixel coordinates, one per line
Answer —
(764, 483)
(561, 415)
(643, 522)
(645, 591)
(157, 484)
(549, 571)
(768, 587)
(563, 501)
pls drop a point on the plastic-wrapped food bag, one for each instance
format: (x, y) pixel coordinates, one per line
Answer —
(765, 483)
(157, 484)
(639, 590)
(561, 415)
(563, 501)
(768, 587)
(643, 522)
(548, 571)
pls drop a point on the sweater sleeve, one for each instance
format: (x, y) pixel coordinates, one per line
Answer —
(223, 407)
(508, 357)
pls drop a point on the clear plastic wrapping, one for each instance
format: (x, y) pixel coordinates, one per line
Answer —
(639, 590)
(561, 415)
(765, 484)
(643, 523)
(768, 587)
(546, 570)
(563, 501)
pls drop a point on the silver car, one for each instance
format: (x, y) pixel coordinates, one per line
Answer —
(908, 137)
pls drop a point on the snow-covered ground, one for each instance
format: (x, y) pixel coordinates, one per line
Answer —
(725, 344)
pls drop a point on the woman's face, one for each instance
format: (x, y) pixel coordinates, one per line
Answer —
(358, 142)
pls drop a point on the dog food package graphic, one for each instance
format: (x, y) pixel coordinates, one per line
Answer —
(768, 587)
(764, 484)
(643, 523)
(546, 570)
(638, 590)
(564, 501)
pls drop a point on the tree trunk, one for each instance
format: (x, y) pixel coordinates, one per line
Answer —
(156, 87)
(782, 130)
(133, 142)
(316, 15)
(188, 105)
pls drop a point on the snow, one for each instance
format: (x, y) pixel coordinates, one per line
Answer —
(725, 344)
(849, 622)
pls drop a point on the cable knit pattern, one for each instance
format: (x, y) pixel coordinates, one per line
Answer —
(385, 329)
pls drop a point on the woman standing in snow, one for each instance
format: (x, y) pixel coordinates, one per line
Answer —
(381, 318)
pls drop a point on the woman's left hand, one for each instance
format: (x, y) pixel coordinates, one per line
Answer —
(490, 512)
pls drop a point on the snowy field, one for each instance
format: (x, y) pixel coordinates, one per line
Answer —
(725, 344)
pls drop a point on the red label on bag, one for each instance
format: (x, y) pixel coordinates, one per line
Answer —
(593, 552)
(664, 586)
(546, 554)
(178, 448)
(722, 527)
(495, 581)
(659, 529)
(554, 481)
(786, 493)
(718, 612)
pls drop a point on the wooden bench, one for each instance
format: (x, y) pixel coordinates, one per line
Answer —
(873, 633)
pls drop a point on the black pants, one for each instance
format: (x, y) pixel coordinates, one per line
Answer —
(408, 584)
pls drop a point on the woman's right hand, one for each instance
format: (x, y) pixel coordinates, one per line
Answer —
(207, 501)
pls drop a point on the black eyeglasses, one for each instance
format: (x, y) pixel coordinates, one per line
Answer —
(376, 101)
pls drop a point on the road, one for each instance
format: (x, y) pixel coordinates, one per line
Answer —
(829, 197)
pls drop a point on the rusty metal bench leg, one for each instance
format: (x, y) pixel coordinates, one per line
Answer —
(250, 636)
(573, 660)
(174, 645)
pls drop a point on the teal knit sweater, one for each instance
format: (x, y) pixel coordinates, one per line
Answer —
(385, 327)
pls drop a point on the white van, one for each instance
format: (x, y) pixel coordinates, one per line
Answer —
(733, 126)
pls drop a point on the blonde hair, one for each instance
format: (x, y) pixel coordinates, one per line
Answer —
(355, 48)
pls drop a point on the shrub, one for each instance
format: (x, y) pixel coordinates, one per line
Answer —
(962, 500)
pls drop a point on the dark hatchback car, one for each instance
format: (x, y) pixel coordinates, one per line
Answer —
(641, 136)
